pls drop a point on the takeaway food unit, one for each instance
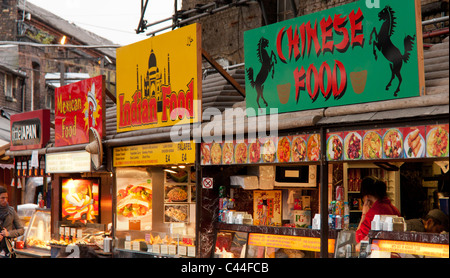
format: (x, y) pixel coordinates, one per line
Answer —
(263, 188)
(155, 200)
(259, 198)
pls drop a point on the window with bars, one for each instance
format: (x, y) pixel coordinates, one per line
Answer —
(285, 10)
(12, 85)
(9, 85)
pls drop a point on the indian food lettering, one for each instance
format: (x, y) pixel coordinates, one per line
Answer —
(158, 97)
(160, 80)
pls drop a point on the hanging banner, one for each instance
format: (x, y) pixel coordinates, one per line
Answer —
(159, 80)
(79, 106)
(350, 54)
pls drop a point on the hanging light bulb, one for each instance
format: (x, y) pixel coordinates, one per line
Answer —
(63, 40)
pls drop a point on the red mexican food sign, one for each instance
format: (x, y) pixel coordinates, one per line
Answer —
(79, 106)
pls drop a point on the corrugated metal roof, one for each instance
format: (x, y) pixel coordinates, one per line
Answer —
(436, 62)
(387, 115)
(216, 93)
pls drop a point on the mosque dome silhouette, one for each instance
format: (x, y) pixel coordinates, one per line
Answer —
(152, 60)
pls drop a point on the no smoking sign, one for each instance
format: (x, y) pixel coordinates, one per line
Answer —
(207, 183)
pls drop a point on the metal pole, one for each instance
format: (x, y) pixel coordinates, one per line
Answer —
(323, 196)
(294, 8)
(62, 71)
(198, 198)
(195, 17)
(263, 12)
(435, 20)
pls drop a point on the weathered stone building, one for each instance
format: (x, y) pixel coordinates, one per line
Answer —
(223, 32)
(25, 61)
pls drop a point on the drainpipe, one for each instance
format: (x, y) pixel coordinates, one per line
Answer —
(436, 33)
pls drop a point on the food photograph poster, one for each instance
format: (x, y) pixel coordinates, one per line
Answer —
(267, 207)
(80, 200)
(371, 144)
(134, 199)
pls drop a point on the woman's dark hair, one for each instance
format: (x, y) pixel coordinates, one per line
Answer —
(3, 190)
(373, 186)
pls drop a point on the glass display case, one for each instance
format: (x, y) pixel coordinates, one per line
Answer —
(38, 233)
(160, 244)
(156, 209)
(25, 212)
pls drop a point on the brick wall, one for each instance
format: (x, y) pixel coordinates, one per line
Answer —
(37, 61)
(311, 6)
(8, 13)
(222, 33)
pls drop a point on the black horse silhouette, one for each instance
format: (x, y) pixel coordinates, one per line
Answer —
(267, 65)
(384, 44)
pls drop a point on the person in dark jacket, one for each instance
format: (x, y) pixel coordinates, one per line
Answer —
(10, 224)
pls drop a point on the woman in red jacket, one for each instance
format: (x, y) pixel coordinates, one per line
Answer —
(376, 202)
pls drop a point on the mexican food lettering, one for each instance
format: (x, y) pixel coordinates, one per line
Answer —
(79, 106)
(345, 55)
(159, 80)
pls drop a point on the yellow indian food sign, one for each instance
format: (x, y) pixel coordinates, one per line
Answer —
(159, 80)
(155, 154)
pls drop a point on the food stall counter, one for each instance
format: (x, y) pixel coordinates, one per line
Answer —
(275, 230)
(250, 241)
(37, 236)
(32, 253)
(409, 244)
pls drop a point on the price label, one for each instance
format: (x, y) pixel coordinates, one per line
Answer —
(155, 154)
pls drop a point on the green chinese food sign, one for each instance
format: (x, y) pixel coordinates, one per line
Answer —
(349, 54)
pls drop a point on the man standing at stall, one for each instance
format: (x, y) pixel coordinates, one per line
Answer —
(436, 221)
(10, 224)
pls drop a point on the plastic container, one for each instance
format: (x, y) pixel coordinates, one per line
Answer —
(376, 223)
(25, 211)
(316, 222)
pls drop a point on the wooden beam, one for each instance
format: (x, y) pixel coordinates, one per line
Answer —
(223, 72)
(419, 40)
(110, 95)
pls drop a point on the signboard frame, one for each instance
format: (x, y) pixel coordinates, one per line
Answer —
(30, 137)
(64, 162)
(336, 57)
(79, 106)
(164, 86)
